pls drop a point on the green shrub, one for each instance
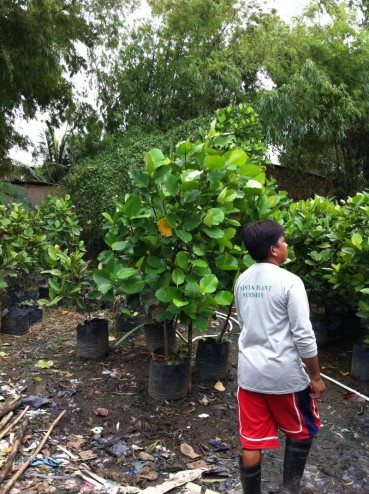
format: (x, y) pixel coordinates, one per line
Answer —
(26, 238)
(95, 183)
(348, 273)
(9, 191)
(310, 231)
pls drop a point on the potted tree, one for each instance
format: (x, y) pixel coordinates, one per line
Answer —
(21, 252)
(175, 242)
(71, 284)
(310, 228)
(26, 236)
(360, 354)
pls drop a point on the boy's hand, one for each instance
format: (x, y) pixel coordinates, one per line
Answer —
(318, 388)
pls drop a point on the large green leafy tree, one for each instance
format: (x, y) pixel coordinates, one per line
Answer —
(187, 61)
(318, 111)
(39, 51)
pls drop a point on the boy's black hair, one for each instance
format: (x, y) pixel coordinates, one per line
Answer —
(259, 236)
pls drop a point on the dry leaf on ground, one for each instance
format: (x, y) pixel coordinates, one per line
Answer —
(188, 450)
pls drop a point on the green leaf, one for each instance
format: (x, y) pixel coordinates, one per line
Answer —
(132, 285)
(249, 170)
(54, 272)
(192, 290)
(52, 252)
(153, 159)
(54, 285)
(214, 216)
(166, 295)
(199, 249)
(3, 284)
(237, 157)
(226, 262)
(133, 205)
(200, 263)
(357, 240)
(215, 162)
(209, 284)
(184, 236)
(224, 141)
(178, 276)
(125, 273)
(226, 196)
(182, 259)
(214, 232)
(191, 221)
(103, 284)
(139, 179)
(154, 262)
(54, 301)
(180, 303)
(170, 186)
(117, 246)
(201, 323)
(223, 298)
(108, 217)
(254, 185)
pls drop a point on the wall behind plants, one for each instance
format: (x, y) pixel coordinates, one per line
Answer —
(300, 184)
(95, 182)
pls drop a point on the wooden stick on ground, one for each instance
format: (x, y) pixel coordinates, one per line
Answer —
(5, 420)
(9, 462)
(10, 427)
(25, 465)
(5, 409)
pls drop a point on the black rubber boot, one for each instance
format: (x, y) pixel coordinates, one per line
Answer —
(250, 478)
(295, 457)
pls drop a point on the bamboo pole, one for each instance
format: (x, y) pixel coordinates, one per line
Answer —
(5, 420)
(10, 427)
(5, 409)
(9, 462)
(25, 465)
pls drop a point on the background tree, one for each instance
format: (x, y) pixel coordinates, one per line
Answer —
(185, 62)
(40, 44)
(318, 112)
(57, 159)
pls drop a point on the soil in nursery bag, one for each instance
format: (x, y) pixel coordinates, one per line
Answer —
(167, 381)
(360, 363)
(35, 315)
(211, 360)
(93, 339)
(20, 296)
(15, 321)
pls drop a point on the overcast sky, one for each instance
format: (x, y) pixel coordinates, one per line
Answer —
(287, 10)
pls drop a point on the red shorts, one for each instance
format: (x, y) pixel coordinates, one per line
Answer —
(261, 415)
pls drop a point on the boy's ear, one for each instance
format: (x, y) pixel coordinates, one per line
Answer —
(272, 251)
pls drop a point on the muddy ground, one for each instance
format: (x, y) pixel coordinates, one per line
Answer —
(140, 442)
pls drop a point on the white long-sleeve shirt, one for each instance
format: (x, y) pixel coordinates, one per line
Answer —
(276, 332)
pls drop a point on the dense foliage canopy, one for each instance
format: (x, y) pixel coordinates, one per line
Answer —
(40, 49)
(187, 58)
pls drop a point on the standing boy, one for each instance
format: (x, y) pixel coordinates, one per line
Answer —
(276, 337)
